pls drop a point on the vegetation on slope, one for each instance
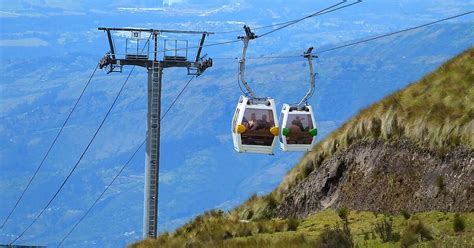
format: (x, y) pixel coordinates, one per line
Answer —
(436, 112)
(324, 229)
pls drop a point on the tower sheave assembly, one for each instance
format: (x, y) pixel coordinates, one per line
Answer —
(142, 49)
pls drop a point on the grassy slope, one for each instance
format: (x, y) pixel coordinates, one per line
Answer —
(435, 112)
(217, 230)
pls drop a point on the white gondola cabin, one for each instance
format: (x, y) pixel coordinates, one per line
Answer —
(255, 123)
(298, 128)
(255, 126)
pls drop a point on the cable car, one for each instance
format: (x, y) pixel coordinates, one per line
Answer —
(254, 127)
(298, 127)
(255, 124)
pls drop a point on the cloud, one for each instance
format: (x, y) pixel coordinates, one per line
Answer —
(180, 7)
(225, 22)
(173, 2)
(56, 4)
(25, 13)
(133, 9)
(13, 14)
(6, 14)
(225, 8)
(224, 138)
(66, 13)
(27, 42)
(34, 141)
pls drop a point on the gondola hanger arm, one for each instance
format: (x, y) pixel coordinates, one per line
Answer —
(249, 35)
(312, 83)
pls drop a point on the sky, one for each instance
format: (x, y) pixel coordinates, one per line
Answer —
(49, 48)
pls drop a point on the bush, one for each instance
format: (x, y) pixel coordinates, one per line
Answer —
(408, 238)
(293, 224)
(343, 214)
(278, 226)
(384, 230)
(270, 207)
(334, 238)
(458, 223)
(415, 232)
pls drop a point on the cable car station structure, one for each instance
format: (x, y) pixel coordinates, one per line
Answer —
(141, 56)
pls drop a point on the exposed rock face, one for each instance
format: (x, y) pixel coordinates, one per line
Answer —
(386, 177)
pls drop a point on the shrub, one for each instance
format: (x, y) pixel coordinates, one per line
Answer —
(458, 223)
(293, 224)
(408, 238)
(343, 214)
(384, 230)
(278, 226)
(334, 238)
(270, 207)
(414, 232)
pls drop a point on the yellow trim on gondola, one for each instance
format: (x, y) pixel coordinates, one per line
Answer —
(274, 131)
(240, 129)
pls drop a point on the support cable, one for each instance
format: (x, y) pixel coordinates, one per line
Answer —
(81, 157)
(355, 42)
(394, 33)
(102, 194)
(321, 12)
(176, 98)
(257, 28)
(78, 161)
(121, 169)
(49, 149)
(261, 27)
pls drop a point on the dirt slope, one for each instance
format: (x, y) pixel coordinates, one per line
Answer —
(386, 177)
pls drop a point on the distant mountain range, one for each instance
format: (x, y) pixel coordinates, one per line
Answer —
(199, 167)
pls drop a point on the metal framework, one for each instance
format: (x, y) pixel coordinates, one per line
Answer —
(312, 76)
(249, 35)
(155, 68)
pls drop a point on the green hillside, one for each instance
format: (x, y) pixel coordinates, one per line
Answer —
(324, 229)
(436, 113)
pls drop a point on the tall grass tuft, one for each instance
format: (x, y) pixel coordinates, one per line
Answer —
(459, 224)
(384, 229)
(415, 232)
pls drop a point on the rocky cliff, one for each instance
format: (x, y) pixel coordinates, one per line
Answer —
(412, 151)
(386, 177)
